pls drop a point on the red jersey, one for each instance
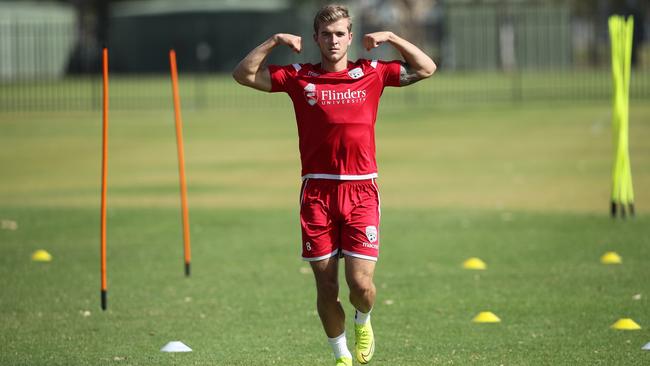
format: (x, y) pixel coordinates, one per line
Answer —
(336, 114)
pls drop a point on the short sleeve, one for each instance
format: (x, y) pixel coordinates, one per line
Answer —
(389, 72)
(280, 76)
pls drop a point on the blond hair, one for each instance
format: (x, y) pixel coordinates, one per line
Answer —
(332, 13)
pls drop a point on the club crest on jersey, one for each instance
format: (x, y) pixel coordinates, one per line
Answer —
(310, 94)
(355, 73)
(371, 233)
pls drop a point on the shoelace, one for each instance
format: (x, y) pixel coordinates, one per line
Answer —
(364, 340)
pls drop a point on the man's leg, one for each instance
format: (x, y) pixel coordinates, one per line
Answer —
(327, 296)
(330, 309)
(359, 274)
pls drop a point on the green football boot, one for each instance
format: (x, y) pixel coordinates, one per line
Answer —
(364, 346)
(344, 361)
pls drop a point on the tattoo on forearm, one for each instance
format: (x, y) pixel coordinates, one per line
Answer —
(407, 76)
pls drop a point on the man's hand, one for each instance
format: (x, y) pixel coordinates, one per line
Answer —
(292, 41)
(374, 40)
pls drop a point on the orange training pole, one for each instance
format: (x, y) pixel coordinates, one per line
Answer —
(104, 287)
(181, 161)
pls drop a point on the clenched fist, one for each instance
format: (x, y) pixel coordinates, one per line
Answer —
(292, 41)
(374, 40)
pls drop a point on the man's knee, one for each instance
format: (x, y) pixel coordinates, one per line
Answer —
(361, 286)
(327, 279)
(359, 274)
(328, 289)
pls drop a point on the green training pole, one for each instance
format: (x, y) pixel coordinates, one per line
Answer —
(614, 34)
(620, 30)
(627, 168)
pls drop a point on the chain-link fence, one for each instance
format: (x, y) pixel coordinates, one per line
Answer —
(486, 52)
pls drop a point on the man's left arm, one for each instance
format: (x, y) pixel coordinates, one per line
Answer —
(416, 66)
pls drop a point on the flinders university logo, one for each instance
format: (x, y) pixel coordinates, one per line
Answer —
(310, 94)
(333, 97)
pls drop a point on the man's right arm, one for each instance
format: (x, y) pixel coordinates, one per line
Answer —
(251, 71)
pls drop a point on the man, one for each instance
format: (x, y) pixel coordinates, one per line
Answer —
(336, 104)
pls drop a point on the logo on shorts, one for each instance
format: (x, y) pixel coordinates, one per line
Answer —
(371, 233)
(355, 73)
(371, 246)
(310, 94)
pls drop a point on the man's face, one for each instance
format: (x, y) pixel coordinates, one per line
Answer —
(333, 39)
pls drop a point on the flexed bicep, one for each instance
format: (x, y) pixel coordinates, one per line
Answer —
(251, 71)
(262, 79)
(417, 65)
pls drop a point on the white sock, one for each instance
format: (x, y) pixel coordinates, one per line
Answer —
(340, 346)
(361, 318)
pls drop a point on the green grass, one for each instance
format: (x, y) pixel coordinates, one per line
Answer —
(525, 188)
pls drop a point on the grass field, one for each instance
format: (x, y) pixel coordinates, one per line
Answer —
(525, 188)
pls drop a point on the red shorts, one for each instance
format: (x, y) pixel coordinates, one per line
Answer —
(339, 217)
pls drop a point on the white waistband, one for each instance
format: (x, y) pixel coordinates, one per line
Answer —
(340, 176)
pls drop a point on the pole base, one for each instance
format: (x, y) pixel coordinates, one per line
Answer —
(104, 300)
(187, 269)
(623, 213)
(622, 209)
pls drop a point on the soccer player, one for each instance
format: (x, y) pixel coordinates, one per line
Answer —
(335, 103)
